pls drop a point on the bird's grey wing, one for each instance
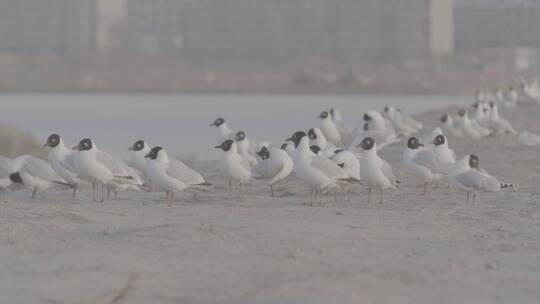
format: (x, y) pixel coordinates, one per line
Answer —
(41, 169)
(387, 171)
(111, 163)
(182, 172)
(329, 167)
(428, 160)
(69, 162)
(479, 180)
(5, 166)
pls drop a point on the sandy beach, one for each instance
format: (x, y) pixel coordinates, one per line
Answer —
(253, 248)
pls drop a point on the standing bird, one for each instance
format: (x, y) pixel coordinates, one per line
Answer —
(136, 155)
(465, 175)
(497, 124)
(274, 166)
(375, 171)
(450, 127)
(35, 174)
(224, 132)
(234, 167)
(61, 160)
(101, 169)
(329, 128)
(413, 148)
(164, 173)
(345, 130)
(244, 147)
(471, 131)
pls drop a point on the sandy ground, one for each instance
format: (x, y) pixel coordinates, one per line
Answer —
(258, 249)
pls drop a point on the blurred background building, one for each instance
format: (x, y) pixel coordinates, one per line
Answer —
(97, 44)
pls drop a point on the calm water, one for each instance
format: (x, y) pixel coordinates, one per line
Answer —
(180, 123)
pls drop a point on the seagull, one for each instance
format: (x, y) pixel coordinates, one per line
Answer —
(466, 176)
(470, 130)
(234, 167)
(223, 130)
(275, 165)
(375, 171)
(376, 127)
(481, 114)
(389, 112)
(449, 126)
(34, 173)
(5, 170)
(60, 158)
(498, 124)
(329, 128)
(244, 147)
(400, 126)
(165, 173)
(136, 155)
(316, 137)
(527, 138)
(413, 148)
(439, 158)
(345, 130)
(318, 172)
(348, 161)
(99, 168)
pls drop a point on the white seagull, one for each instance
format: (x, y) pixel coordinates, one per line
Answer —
(234, 166)
(413, 148)
(245, 148)
(35, 174)
(375, 171)
(136, 155)
(497, 124)
(344, 129)
(450, 127)
(164, 173)
(329, 128)
(274, 166)
(60, 158)
(466, 176)
(223, 131)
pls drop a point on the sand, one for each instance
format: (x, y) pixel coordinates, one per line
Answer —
(252, 248)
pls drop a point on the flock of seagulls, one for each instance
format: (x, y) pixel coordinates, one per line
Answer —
(331, 156)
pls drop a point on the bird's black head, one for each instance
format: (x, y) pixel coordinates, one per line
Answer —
(311, 134)
(153, 154)
(264, 153)
(85, 145)
(386, 109)
(462, 112)
(240, 135)
(226, 145)
(218, 122)
(367, 143)
(15, 178)
(365, 127)
(414, 143)
(491, 104)
(367, 118)
(439, 140)
(296, 137)
(475, 105)
(332, 112)
(137, 146)
(474, 161)
(323, 115)
(53, 141)
(315, 149)
(444, 118)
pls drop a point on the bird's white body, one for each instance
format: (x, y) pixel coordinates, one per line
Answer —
(376, 172)
(275, 168)
(416, 168)
(35, 173)
(234, 166)
(135, 159)
(61, 160)
(90, 169)
(164, 173)
(497, 124)
(470, 180)
(316, 171)
(349, 162)
(450, 126)
(330, 130)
